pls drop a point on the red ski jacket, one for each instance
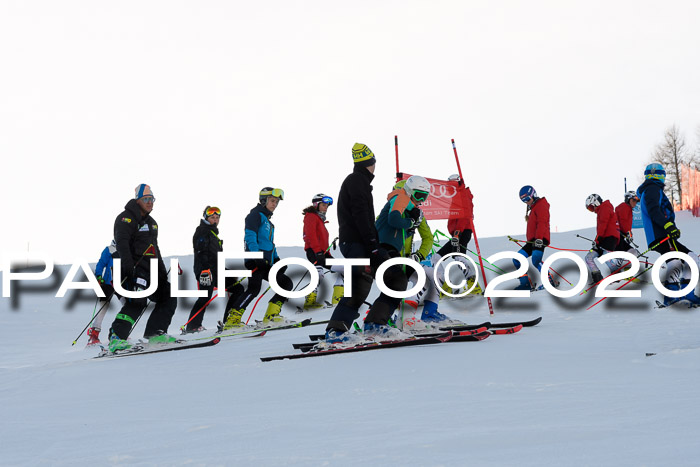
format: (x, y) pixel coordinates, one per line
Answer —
(624, 217)
(315, 233)
(607, 221)
(538, 221)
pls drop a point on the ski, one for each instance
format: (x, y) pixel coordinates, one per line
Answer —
(315, 338)
(144, 348)
(525, 324)
(370, 345)
(300, 324)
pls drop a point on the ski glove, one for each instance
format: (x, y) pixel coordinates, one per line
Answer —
(454, 241)
(100, 279)
(205, 278)
(417, 257)
(320, 259)
(539, 243)
(672, 230)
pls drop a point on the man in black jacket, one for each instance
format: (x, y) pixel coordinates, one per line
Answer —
(207, 245)
(358, 239)
(136, 235)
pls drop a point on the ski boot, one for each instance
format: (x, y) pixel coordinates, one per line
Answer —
(384, 332)
(94, 335)
(116, 344)
(477, 288)
(552, 280)
(524, 283)
(310, 301)
(194, 330)
(431, 314)
(339, 339)
(596, 277)
(233, 320)
(445, 289)
(160, 337)
(691, 299)
(272, 314)
(338, 292)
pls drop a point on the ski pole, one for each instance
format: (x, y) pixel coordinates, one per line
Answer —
(109, 298)
(548, 246)
(212, 299)
(93, 317)
(652, 247)
(553, 270)
(476, 239)
(630, 280)
(216, 294)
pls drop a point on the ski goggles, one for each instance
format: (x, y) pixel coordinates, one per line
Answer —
(327, 199)
(420, 196)
(148, 199)
(276, 192)
(213, 210)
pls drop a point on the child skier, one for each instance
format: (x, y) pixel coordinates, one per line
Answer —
(316, 246)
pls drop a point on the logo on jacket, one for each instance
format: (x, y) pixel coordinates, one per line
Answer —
(126, 219)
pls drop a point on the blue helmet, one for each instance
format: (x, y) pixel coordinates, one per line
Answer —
(527, 193)
(655, 172)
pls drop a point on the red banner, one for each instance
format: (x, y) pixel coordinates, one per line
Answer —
(690, 182)
(448, 200)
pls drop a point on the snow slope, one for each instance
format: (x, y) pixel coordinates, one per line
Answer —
(578, 389)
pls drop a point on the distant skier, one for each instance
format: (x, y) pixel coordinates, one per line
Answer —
(103, 274)
(537, 234)
(316, 245)
(607, 235)
(207, 244)
(659, 222)
(358, 239)
(461, 232)
(260, 236)
(624, 218)
(136, 236)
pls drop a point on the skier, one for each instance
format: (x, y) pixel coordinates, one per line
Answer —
(607, 235)
(460, 229)
(659, 222)
(207, 245)
(398, 219)
(358, 239)
(260, 236)
(103, 274)
(316, 246)
(537, 234)
(429, 293)
(624, 218)
(136, 236)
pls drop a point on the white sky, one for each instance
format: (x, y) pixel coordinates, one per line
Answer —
(210, 101)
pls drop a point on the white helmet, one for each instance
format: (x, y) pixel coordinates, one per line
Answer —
(417, 187)
(453, 178)
(593, 201)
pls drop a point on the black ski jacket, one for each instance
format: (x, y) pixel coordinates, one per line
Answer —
(356, 209)
(137, 236)
(207, 244)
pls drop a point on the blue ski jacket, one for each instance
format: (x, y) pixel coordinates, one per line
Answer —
(104, 265)
(392, 224)
(657, 210)
(260, 233)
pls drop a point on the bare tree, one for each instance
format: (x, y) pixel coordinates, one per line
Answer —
(672, 154)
